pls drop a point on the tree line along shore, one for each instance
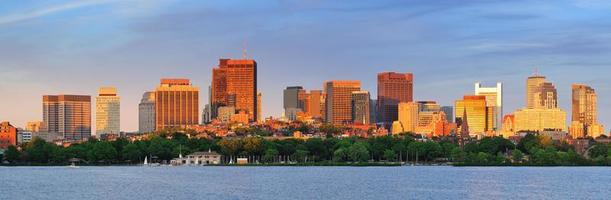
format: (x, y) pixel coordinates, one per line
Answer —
(532, 150)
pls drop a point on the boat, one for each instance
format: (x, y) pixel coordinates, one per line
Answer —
(73, 165)
(146, 162)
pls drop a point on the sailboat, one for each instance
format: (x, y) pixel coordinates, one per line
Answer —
(146, 162)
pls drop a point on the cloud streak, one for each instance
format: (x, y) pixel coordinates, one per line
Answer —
(19, 17)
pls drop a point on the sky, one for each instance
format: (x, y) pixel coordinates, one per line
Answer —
(75, 47)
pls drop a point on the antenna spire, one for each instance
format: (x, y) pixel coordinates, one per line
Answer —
(244, 51)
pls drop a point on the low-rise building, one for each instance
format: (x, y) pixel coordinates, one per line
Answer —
(198, 158)
(8, 135)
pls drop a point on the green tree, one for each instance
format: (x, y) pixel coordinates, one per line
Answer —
(270, 155)
(598, 150)
(12, 154)
(458, 155)
(517, 156)
(340, 154)
(132, 153)
(253, 145)
(104, 151)
(358, 152)
(390, 155)
(300, 155)
(229, 146)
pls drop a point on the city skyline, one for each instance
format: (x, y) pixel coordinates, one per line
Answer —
(34, 66)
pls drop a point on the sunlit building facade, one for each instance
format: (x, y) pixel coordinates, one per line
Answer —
(107, 111)
(393, 88)
(539, 119)
(584, 112)
(533, 84)
(34, 126)
(234, 83)
(339, 101)
(494, 98)
(407, 118)
(8, 135)
(478, 113)
(176, 104)
(69, 116)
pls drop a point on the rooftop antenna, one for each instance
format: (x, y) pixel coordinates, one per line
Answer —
(536, 71)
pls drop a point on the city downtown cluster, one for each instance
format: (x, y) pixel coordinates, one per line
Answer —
(234, 102)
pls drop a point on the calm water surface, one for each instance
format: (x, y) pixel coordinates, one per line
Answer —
(305, 183)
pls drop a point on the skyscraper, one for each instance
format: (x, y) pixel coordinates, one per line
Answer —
(546, 96)
(67, 115)
(339, 101)
(146, 113)
(176, 104)
(494, 98)
(584, 112)
(316, 101)
(237, 78)
(107, 111)
(292, 103)
(449, 111)
(360, 107)
(393, 88)
(532, 86)
(477, 112)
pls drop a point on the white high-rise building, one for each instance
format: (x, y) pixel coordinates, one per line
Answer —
(494, 97)
(146, 113)
(107, 111)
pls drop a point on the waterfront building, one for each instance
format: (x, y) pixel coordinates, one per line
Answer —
(339, 101)
(34, 126)
(68, 116)
(176, 104)
(237, 78)
(146, 113)
(479, 113)
(540, 119)
(360, 107)
(8, 135)
(393, 88)
(494, 98)
(584, 112)
(108, 111)
(407, 118)
(198, 158)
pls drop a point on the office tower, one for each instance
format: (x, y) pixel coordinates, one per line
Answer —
(584, 113)
(316, 102)
(8, 135)
(494, 98)
(339, 101)
(540, 119)
(546, 96)
(237, 78)
(260, 107)
(393, 88)
(360, 107)
(431, 120)
(146, 113)
(107, 111)
(532, 86)
(373, 111)
(34, 126)
(449, 111)
(292, 103)
(68, 116)
(176, 104)
(407, 118)
(477, 112)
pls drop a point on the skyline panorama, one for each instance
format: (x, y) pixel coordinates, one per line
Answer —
(61, 47)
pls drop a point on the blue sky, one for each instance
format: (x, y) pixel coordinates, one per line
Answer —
(74, 47)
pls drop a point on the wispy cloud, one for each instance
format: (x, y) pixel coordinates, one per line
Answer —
(18, 17)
